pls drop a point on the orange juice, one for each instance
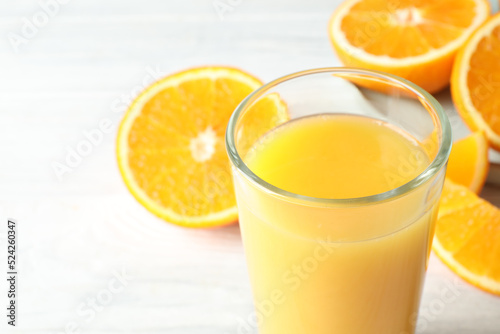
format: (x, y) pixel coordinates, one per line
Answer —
(345, 268)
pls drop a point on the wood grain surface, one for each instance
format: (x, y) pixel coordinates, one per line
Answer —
(94, 261)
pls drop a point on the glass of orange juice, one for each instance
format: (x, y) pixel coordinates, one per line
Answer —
(338, 174)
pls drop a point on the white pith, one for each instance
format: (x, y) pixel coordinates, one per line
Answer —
(202, 147)
(408, 16)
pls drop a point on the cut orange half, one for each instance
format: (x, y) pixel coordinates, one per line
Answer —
(468, 164)
(416, 40)
(475, 83)
(171, 149)
(467, 237)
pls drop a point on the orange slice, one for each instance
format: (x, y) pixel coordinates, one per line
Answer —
(467, 237)
(475, 82)
(171, 149)
(416, 40)
(468, 164)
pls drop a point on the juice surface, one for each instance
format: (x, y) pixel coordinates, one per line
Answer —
(337, 156)
(317, 269)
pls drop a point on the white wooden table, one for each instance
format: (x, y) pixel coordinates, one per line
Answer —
(94, 261)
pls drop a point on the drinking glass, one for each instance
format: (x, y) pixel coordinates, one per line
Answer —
(338, 265)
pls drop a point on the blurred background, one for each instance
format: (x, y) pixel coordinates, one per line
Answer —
(92, 260)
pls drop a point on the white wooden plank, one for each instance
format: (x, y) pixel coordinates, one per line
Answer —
(76, 231)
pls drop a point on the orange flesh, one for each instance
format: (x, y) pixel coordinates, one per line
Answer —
(408, 29)
(468, 163)
(159, 145)
(483, 79)
(468, 230)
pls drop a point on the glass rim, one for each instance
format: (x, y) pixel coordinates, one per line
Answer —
(432, 168)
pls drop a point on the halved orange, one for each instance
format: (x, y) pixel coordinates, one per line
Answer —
(171, 149)
(468, 164)
(416, 40)
(467, 237)
(475, 82)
